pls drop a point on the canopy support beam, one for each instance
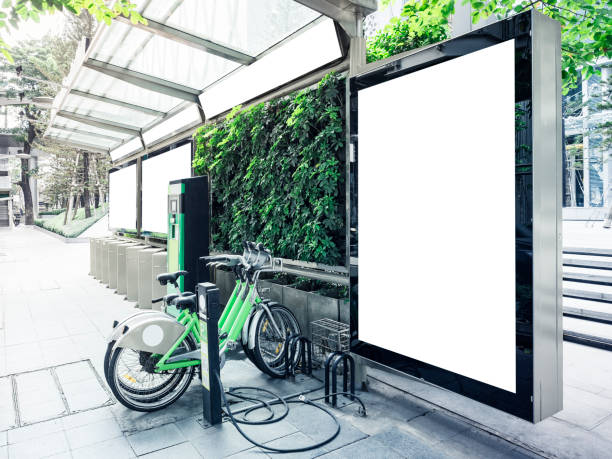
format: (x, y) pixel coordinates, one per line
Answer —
(98, 122)
(200, 43)
(144, 81)
(343, 12)
(120, 103)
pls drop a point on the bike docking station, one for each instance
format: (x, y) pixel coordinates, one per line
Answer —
(209, 312)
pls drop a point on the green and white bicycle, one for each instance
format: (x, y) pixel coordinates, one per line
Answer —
(152, 356)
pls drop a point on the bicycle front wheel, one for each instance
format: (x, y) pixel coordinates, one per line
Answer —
(269, 350)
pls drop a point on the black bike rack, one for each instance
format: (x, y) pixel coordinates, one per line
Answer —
(331, 366)
(305, 360)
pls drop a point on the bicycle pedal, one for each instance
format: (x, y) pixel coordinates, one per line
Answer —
(264, 289)
(232, 345)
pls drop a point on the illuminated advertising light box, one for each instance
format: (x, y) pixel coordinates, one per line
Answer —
(122, 198)
(455, 215)
(157, 172)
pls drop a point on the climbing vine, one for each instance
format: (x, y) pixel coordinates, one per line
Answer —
(277, 174)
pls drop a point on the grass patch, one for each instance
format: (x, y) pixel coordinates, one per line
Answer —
(77, 226)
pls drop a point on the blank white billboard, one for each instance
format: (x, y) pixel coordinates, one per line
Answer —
(156, 173)
(122, 198)
(437, 216)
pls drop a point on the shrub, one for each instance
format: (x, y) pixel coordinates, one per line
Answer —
(77, 226)
(52, 212)
(277, 174)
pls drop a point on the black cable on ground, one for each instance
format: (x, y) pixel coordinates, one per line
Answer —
(276, 401)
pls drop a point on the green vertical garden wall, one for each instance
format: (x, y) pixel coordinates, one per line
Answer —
(277, 172)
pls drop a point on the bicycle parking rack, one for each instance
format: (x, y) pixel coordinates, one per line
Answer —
(331, 365)
(305, 361)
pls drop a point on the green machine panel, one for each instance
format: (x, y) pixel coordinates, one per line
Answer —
(188, 233)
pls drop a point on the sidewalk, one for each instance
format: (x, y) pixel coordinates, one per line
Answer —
(53, 322)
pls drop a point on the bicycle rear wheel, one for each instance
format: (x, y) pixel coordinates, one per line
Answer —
(269, 347)
(139, 388)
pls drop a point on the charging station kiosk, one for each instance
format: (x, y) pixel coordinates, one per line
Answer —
(209, 311)
(188, 233)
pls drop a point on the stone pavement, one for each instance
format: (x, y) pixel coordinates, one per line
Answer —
(53, 323)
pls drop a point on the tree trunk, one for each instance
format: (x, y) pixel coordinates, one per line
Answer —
(24, 183)
(69, 208)
(86, 195)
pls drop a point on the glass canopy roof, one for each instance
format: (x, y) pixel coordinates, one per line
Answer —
(137, 85)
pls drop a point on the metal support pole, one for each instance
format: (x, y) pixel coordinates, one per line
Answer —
(138, 196)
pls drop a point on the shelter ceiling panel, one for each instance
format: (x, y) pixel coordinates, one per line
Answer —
(138, 121)
(103, 110)
(251, 26)
(58, 135)
(166, 59)
(92, 81)
(70, 124)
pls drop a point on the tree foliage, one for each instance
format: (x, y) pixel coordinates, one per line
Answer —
(277, 174)
(586, 29)
(12, 12)
(422, 22)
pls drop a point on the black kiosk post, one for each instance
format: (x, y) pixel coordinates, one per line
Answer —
(209, 313)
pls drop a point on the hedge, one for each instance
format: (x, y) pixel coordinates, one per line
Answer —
(277, 174)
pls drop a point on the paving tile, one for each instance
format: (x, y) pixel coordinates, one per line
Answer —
(265, 433)
(86, 417)
(3, 438)
(181, 451)
(220, 441)
(294, 441)
(408, 444)
(477, 443)
(84, 395)
(435, 426)
(90, 434)
(34, 431)
(604, 429)
(253, 453)
(190, 428)
(155, 439)
(73, 372)
(319, 426)
(3, 452)
(46, 445)
(577, 412)
(368, 448)
(117, 448)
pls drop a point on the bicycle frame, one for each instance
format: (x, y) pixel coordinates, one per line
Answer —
(242, 300)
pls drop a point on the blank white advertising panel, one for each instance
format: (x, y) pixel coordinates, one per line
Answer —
(437, 215)
(157, 172)
(122, 198)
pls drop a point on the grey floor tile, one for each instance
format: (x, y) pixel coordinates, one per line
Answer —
(34, 431)
(408, 444)
(252, 453)
(265, 433)
(364, 449)
(46, 445)
(181, 451)
(86, 417)
(476, 443)
(3, 452)
(294, 441)
(3, 438)
(64, 455)
(74, 372)
(117, 448)
(436, 426)
(604, 428)
(190, 427)
(155, 439)
(319, 426)
(220, 441)
(90, 434)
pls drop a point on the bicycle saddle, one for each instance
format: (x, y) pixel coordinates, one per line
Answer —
(170, 277)
(186, 302)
